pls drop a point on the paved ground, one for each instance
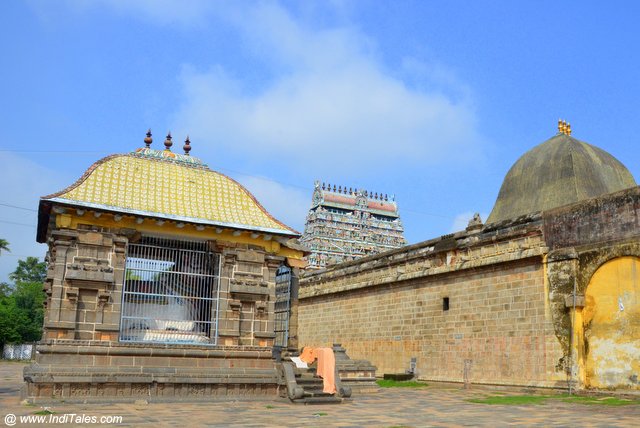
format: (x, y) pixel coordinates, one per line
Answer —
(432, 406)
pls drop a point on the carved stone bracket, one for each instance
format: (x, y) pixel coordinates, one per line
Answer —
(235, 305)
(230, 258)
(103, 299)
(72, 294)
(119, 244)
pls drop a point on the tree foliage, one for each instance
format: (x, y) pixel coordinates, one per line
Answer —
(21, 305)
(4, 245)
(30, 270)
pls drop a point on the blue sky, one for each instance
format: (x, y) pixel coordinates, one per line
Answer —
(432, 101)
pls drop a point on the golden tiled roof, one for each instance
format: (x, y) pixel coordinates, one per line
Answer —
(168, 188)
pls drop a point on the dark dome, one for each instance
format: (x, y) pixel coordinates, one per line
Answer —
(560, 171)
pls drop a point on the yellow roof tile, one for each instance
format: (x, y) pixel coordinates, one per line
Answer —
(170, 188)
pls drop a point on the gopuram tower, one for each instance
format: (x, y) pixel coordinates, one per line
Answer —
(346, 224)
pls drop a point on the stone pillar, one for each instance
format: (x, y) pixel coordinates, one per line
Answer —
(228, 309)
(59, 317)
(292, 343)
(562, 268)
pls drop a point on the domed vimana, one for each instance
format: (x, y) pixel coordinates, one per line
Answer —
(560, 171)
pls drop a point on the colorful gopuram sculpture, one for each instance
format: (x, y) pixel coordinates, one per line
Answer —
(346, 224)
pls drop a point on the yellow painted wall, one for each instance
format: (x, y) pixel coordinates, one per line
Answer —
(611, 319)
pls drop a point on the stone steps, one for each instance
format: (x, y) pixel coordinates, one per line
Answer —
(304, 386)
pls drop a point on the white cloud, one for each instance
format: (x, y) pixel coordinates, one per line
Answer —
(332, 108)
(287, 204)
(324, 100)
(461, 221)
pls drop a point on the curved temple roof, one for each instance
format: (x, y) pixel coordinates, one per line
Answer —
(560, 171)
(152, 183)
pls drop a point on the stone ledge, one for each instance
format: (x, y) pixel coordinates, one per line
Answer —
(111, 349)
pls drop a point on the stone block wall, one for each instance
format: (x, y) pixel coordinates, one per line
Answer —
(247, 296)
(477, 295)
(496, 318)
(81, 357)
(84, 285)
(613, 217)
(98, 371)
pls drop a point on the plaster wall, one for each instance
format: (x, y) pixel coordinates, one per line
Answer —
(611, 317)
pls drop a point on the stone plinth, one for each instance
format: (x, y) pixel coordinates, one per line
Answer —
(99, 371)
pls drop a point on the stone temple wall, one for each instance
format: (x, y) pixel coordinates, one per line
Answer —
(496, 318)
(393, 307)
(516, 296)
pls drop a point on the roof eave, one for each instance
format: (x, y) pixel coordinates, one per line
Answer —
(164, 216)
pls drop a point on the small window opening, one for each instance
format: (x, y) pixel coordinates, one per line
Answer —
(445, 303)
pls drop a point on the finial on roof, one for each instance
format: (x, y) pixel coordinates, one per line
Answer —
(187, 146)
(351, 190)
(148, 140)
(168, 143)
(334, 187)
(340, 189)
(564, 127)
(323, 186)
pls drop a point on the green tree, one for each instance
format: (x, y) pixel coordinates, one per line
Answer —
(4, 245)
(30, 270)
(28, 298)
(11, 322)
(21, 305)
(5, 289)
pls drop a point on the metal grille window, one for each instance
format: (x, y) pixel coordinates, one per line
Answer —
(170, 292)
(283, 305)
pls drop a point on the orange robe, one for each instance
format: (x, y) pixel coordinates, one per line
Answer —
(326, 366)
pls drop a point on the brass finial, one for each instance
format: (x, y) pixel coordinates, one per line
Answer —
(168, 143)
(187, 146)
(148, 140)
(564, 127)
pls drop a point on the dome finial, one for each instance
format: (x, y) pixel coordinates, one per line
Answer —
(564, 127)
(187, 146)
(168, 143)
(148, 140)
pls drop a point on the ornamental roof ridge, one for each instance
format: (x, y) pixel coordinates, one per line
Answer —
(354, 192)
(166, 155)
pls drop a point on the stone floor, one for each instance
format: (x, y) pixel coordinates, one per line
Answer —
(432, 406)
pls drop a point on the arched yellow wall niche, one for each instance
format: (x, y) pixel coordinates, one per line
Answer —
(611, 319)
